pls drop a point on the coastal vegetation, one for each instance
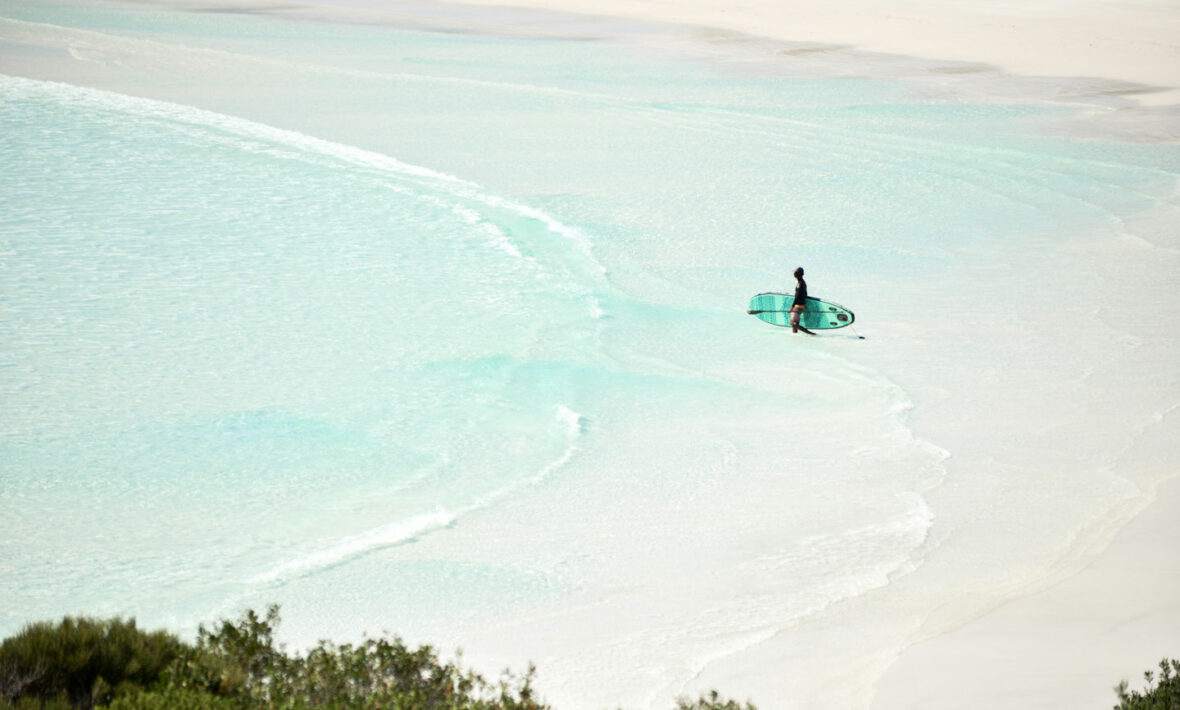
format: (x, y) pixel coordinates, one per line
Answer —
(1162, 691)
(87, 664)
(112, 664)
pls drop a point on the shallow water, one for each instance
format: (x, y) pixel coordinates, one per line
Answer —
(444, 334)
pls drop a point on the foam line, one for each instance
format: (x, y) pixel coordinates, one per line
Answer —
(304, 147)
(411, 529)
(575, 425)
(357, 545)
(29, 89)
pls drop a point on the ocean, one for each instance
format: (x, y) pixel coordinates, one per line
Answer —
(443, 334)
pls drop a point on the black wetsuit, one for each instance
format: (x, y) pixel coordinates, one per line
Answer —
(800, 294)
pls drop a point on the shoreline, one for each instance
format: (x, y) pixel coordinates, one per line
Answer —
(1131, 44)
(1130, 94)
(1095, 50)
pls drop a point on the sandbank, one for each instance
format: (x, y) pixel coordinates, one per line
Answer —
(1133, 42)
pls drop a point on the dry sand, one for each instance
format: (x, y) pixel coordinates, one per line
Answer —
(1134, 42)
(1054, 649)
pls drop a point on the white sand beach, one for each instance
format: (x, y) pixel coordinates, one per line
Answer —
(1133, 42)
(1058, 647)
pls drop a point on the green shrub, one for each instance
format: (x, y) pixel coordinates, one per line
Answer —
(1161, 695)
(241, 660)
(82, 662)
(174, 698)
(30, 703)
(711, 701)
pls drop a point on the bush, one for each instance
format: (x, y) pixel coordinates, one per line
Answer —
(38, 704)
(174, 698)
(81, 662)
(1162, 696)
(241, 660)
(711, 701)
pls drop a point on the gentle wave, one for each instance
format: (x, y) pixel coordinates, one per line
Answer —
(295, 145)
(872, 557)
(575, 426)
(349, 548)
(405, 531)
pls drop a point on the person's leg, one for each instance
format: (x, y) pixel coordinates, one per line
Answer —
(796, 313)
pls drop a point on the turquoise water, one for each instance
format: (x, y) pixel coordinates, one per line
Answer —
(195, 334)
(445, 334)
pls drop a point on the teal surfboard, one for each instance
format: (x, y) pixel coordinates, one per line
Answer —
(775, 308)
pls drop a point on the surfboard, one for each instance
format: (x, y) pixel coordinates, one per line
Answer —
(775, 308)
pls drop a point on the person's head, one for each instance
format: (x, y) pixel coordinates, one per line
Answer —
(799, 273)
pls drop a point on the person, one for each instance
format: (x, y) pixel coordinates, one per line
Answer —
(800, 303)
